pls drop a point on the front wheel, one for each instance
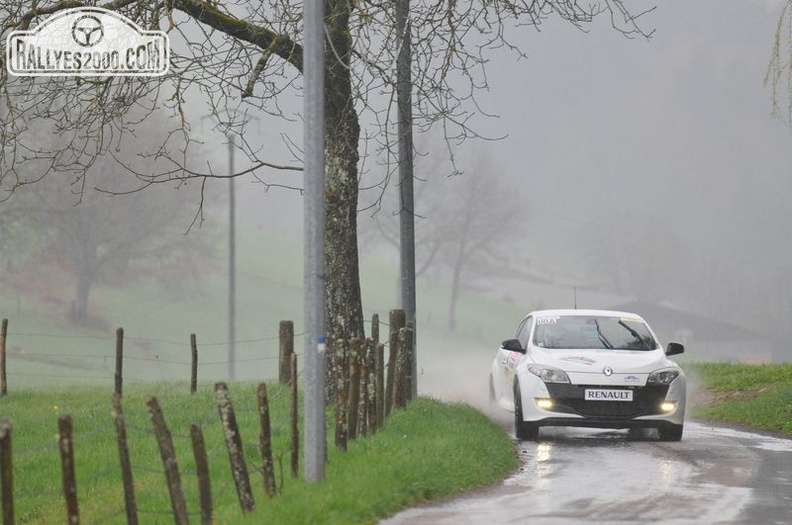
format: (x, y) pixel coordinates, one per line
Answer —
(523, 430)
(670, 432)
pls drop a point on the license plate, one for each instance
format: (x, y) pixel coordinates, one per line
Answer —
(601, 394)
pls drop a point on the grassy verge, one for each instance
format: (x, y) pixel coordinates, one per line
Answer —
(427, 451)
(754, 395)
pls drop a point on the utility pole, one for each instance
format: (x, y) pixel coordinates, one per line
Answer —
(406, 200)
(314, 240)
(230, 137)
(231, 261)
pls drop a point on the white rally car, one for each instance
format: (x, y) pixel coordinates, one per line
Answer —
(588, 368)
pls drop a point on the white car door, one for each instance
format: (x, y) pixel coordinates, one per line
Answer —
(507, 364)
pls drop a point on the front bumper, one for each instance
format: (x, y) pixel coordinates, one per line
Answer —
(569, 399)
(570, 408)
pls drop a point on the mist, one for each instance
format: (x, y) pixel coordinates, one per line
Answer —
(645, 173)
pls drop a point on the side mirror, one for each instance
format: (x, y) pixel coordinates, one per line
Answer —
(513, 345)
(675, 349)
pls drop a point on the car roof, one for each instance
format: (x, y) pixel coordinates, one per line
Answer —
(584, 313)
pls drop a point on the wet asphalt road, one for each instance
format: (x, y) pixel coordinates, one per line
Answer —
(715, 475)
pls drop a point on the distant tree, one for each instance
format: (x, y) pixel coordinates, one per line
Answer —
(466, 220)
(94, 234)
(484, 215)
(626, 260)
(381, 216)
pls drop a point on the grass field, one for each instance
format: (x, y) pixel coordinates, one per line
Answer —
(55, 368)
(426, 451)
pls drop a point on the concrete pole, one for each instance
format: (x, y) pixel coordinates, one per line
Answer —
(314, 240)
(407, 201)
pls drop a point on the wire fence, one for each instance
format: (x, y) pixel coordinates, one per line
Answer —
(35, 358)
(36, 485)
(362, 401)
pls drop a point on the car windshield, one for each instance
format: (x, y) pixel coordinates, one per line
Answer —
(596, 332)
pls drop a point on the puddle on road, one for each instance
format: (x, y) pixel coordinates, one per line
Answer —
(574, 476)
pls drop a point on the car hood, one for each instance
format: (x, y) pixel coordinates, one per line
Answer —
(593, 361)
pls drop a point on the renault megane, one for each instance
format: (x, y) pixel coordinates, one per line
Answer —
(589, 368)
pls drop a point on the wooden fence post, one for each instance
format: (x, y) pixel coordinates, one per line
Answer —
(371, 387)
(365, 390)
(341, 429)
(396, 320)
(404, 367)
(286, 339)
(66, 445)
(295, 412)
(126, 464)
(202, 470)
(119, 379)
(354, 387)
(6, 473)
(375, 380)
(379, 387)
(375, 329)
(234, 444)
(168, 455)
(265, 441)
(193, 364)
(3, 376)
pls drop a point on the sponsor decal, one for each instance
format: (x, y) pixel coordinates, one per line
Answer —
(579, 359)
(87, 42)
(632, 379)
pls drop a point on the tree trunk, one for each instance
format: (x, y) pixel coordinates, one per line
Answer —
(455, 283)
(85, 268)
(342, 133)
(456, 279)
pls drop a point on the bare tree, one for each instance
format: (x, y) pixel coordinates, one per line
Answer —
(249, 54)
(96, 235)
(467, 220)
(484, 220)
(380, 222)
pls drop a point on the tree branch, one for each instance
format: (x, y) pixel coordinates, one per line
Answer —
(266, 39)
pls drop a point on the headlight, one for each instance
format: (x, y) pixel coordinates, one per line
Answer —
(662, 377)
(549, 374)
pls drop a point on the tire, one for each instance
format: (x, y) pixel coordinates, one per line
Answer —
(636, 434)
(523, 430)
(670, 432)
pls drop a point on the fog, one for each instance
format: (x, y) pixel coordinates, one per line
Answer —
(652, 172)
(648, 173)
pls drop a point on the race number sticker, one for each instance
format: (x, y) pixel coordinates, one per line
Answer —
(547, 320)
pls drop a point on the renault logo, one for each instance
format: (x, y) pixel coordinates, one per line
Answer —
(608, 371)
